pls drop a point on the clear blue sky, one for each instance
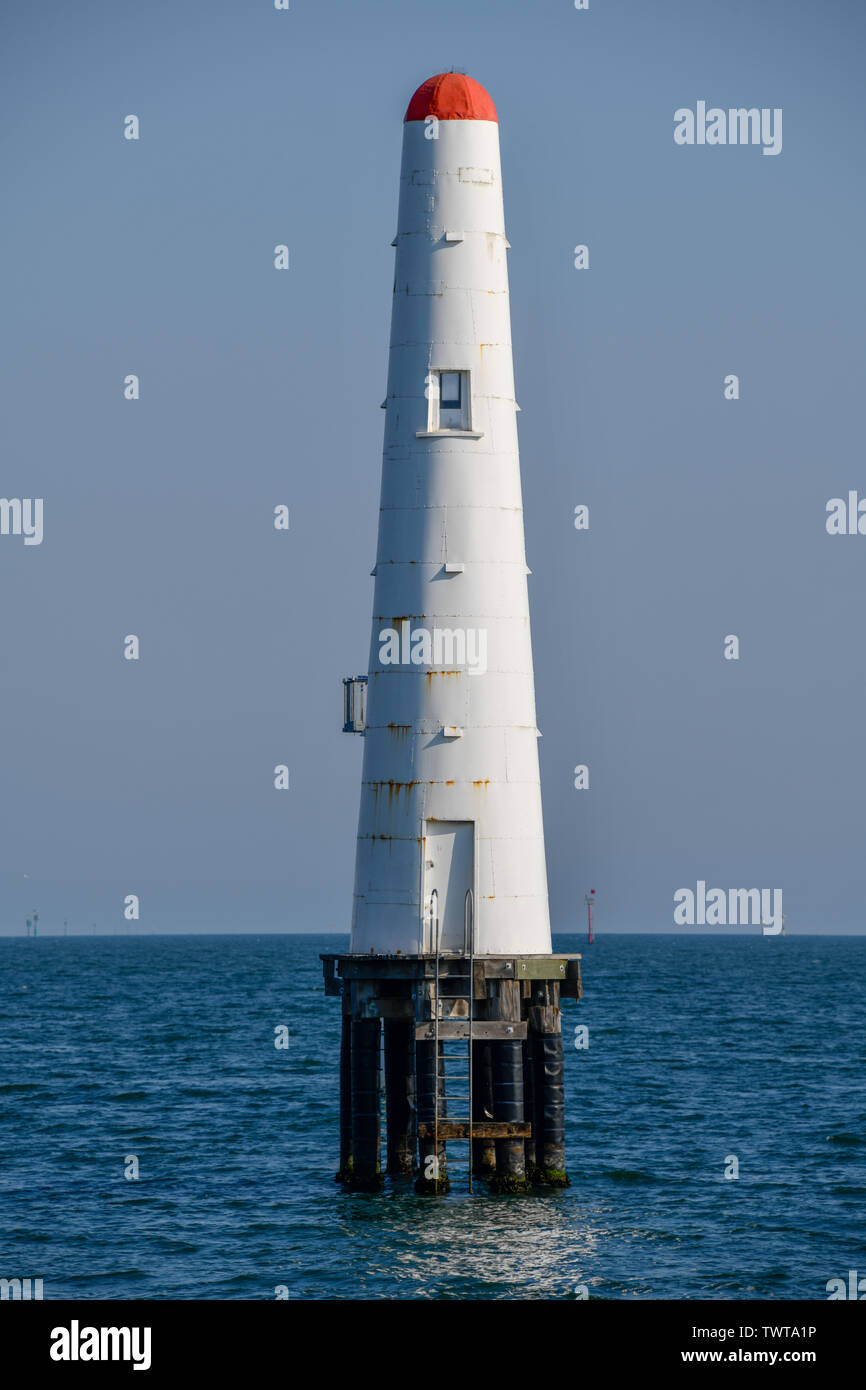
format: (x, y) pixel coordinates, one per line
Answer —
(707, 517)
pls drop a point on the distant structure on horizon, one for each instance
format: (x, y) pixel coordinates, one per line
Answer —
(450, 947)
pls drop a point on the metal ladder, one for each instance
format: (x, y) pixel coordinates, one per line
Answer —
(454, 1068)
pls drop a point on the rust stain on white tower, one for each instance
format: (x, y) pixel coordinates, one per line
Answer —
(450, 834)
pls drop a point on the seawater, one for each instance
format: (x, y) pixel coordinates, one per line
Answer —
(701, 1048)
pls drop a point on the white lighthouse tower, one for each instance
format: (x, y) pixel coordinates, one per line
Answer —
(450, 943)
(450, 827)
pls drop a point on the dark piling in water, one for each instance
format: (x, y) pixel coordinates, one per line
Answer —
(366, 1165)
(400, 1095)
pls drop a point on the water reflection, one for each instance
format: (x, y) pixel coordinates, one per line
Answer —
(475, 1246)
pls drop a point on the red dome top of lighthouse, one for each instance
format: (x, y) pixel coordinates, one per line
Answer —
(452, 96)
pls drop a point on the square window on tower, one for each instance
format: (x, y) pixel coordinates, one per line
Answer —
(450, 405)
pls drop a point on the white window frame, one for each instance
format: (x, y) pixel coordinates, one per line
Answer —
(461, 428)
